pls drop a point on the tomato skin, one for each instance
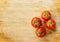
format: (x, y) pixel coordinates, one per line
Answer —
(41, 29)
(46, 15)
(51, 24)
(36, 22)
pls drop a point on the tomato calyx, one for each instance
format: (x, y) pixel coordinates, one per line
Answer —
(46, 15)
(36, 22)
(50, 23)
(40, 32)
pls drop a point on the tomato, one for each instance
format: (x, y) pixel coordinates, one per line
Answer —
(41, 32)
(46, 15)
(51, 24)
(36, 22)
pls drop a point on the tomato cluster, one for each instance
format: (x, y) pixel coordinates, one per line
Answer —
(41, 26)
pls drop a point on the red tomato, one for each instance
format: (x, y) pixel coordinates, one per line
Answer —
(51, 24)
(46, 15)
(41, 32)
(36, 22)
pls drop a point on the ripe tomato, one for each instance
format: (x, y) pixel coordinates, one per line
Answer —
(41, 32)
(36, 22)
(46, 15)
(51, 24)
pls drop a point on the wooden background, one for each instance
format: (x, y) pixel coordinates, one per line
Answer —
(15, 20)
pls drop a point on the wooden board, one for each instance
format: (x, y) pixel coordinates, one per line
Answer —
(16, 15)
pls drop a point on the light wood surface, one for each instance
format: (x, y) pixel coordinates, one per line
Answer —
(15, 20)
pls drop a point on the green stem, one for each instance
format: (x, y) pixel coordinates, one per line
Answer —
(40, 32)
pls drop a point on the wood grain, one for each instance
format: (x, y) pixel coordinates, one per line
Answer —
(15, 20)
